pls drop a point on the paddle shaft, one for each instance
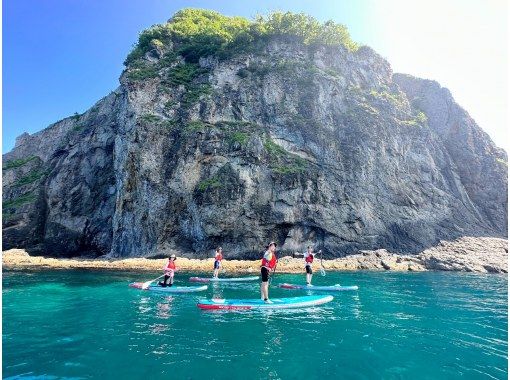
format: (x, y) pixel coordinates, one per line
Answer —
(147, 283)
(323, 272)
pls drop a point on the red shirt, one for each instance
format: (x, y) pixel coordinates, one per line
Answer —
(218, 257)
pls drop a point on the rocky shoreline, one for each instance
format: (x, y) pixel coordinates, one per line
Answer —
(466, 254)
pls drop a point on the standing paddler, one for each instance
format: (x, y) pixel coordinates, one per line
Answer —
(218, 257)
(268, 264)
(308, 256)
(169, 270)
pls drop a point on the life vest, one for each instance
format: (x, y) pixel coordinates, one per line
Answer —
(309, 258)
(218, 257)
(269, 260)
(170, 266)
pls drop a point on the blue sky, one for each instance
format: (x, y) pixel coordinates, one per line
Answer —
(61, 56)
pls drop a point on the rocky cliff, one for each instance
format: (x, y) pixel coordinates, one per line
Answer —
(281, 138)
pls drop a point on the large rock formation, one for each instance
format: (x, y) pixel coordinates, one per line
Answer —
(290, 141)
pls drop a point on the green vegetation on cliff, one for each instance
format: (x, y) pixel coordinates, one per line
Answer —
(240, 138)
(31, 177)
(12, 164)
(283, 162)
(21, 200)
(211, 183)
(196, 33)
(502, 162)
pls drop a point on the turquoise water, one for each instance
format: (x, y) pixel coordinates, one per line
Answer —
(83, 324)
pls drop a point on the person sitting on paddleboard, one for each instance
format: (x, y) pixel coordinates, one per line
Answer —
(268, 264)
(217, 261)
(169, 269)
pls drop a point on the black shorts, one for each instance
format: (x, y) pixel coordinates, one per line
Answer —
(216, 264)
(308, 269)
(265, 274)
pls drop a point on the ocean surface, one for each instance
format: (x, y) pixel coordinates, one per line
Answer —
(91, 325)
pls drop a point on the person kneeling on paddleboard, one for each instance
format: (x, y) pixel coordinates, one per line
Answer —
(217, 261)
(169, 269)
(268, 264)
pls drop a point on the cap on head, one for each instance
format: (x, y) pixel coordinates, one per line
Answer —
(172, 256)
(270, 244)
(219, 249)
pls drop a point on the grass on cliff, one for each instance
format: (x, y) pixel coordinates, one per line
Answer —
(237, 132)
(31, 177)
(150, 119)
(295, 166)
(196, 33)
(184, 74)
(283, 162)
(397, 99)
(188, 75)
(211, 183)
(502, 162)
(273, 149)
(13, 164)
(24, 199)
(196, 126)
(142, 70)
(419, 120)
(237, 137)
(194, 93)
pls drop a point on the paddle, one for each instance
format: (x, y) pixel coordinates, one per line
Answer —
(323, 272)
(146, 284)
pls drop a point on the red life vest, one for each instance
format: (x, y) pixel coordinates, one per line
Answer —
(309, 258)
(271, 263)
(170, 266)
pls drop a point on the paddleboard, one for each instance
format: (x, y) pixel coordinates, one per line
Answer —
(170, 289)
(333, 288)
(223, 279)
(250, 304)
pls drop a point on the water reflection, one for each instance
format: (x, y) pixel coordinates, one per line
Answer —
(356, 306)
(143, 305)
(217, 290)
(164, 308)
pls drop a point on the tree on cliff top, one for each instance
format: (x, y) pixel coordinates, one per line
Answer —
(199, 33)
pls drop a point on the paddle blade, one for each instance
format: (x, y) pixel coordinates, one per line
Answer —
(146, 285)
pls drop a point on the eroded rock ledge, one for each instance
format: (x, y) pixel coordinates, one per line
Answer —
(466, 254)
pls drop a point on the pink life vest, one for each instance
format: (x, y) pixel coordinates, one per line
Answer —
(170, 266)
